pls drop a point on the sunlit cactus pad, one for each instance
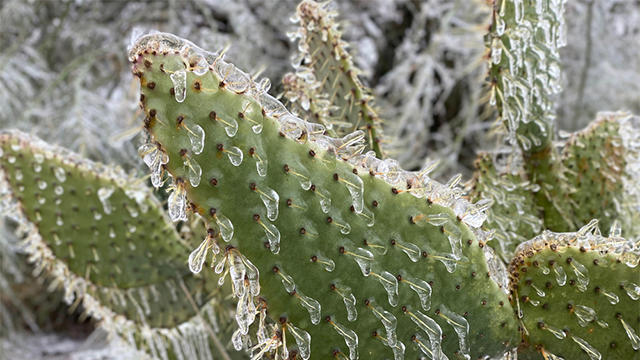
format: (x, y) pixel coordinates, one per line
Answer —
(349, 256)
(578, 295)
(101, 237)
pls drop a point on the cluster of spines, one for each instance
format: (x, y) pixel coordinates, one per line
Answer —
(326, 86)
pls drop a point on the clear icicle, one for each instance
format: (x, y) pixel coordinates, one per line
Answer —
(329, 265)
(422, 288)
(364, 258)
(253, 275)
(196, 136)
(287, 281)
(235, 156)
(261, 167)
(585, 314)
(237, 270)
(430, 327)
(449, 261)
(226, 227)
(312, 306)
(412, 250)
(273, 236)
(231, 127)
(561, 276)
(632, 290)
(270, 198)
(303, 340)
(461, 326)
(631, 333)
(582, 274)
(389, 322)
(454, 234)
(179, 79)
(356, 189)
(390, 284)
(154, 158)
(104, 193)
(198, 256)
(590, 350)
(555, 331)
(194, 170)
(350, 338)
(613, 298)
(60, 174)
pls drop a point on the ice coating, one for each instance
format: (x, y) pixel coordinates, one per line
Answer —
(461, 327)
(350, 338)
(388, 320)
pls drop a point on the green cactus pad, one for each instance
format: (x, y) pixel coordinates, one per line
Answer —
(511, 214)
(577, 294)
(345, 260)
(103, 239)
(326, 86)
(525, 68)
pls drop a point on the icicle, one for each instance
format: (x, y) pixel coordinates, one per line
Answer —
(349, 300)
(430, 327)
(104, 193)
(60, 174)
(237, 270)
(561, 276)
(412, 250)
(226, 227)
(590, 350)
(194, 170)
(585, 314)
(461, 326)
(421, 287)
(154, 158)
(390, 284)
(363, 257)
(196, 136)
(582, 274)
(179, 79)
(329, 265)
(273, 235)
(235, 156)
(312, 306)
(303, 340)
(631, 333)
(177, 203)
(632, 290)
(388, 320)
(270, 198)
(350, 338)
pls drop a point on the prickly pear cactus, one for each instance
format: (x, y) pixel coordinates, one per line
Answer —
(103, 239)
(326, 87)
(348, 256)
(577, 295)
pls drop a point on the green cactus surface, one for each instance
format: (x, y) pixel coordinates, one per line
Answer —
(326, 86)
(348, 263)
(577, 294)
(104, 240)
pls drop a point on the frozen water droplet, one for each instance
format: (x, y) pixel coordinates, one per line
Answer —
(325, 204)
(96, 215)
(245, 312)
(329, 265)
(561, 276)
(273, 235)
(131, 228)
(582, 275)
(350, 338)
(356, 189)
(412, 250)
(18, 175)
(238, 271)
(585, 314)
(236, 339)
(293, 128)
(631, 333)
(270, 105)
(104, 193)
(235, 79)
(226, 227)
(349, 301)
(390, 284)
(235, 156)
(201, 67)
(231, 127)
(257, 128)
(377, 245)
(253, 275)
(59, 220)
(435, 220)
(449, 261)
(194, 169)
(616, 229)
(60, 174)
(58, 190)
(368, 216)
(38, 157)
(398, 349)
(613, 298)
(496, 51)
(389, 322)
(41, 184)
(270, 198)
(590, 350)
(37, 167)
(132, 211)
(287, 281)
(429, 326)
(179, 79)
(196, 136)
(454, 234)
(112, 232)
(461, 326)
(345, 229)
(177, 204)
(265, 84)
(422, 288)
(312, 306)
(555, 331)
(198, 256)
(154, 158)
(303, 340)
(261, 166)
(364, 258)
(632, 290)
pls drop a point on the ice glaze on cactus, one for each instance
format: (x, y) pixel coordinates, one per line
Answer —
(326, 87)
(578, 295)
(347, 254)
(103, 239)
(524, 70)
